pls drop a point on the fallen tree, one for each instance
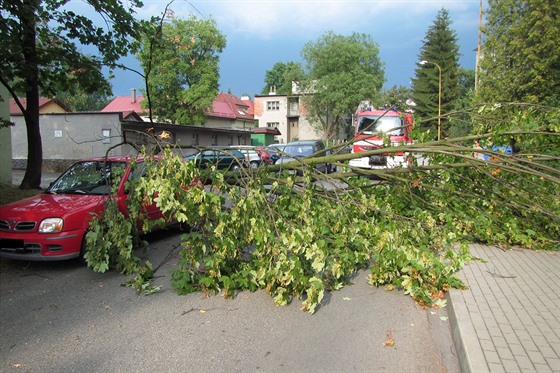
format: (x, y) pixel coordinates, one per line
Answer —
(299, 236)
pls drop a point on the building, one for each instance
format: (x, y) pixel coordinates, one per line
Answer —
(67, 136)
(227, 111)
(285, 113)
(46, 106)
(230, 111)
(127, 104)
(5, 136)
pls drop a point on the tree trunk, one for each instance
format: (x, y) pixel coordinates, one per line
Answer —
(32, 177)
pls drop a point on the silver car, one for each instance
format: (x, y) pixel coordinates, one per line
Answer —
(302, 149)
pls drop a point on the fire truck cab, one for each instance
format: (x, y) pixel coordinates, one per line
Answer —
(371, 128)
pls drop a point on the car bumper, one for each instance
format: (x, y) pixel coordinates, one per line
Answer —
(40, 247)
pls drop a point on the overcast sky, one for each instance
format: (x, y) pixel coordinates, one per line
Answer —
(262, 32)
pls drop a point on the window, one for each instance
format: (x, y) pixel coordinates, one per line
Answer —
(294, 105)
(272, 124)
(106, 136)
(195, 139)
(273, 105)
(214, 139)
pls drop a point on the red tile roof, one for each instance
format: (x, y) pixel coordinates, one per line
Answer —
(125, 103)
(221, 109)
(242, 109)
(226, 105)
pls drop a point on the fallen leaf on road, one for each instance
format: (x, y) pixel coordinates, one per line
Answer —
(345, 298)
(389, 342)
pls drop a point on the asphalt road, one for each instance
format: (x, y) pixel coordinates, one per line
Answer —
(63, 317)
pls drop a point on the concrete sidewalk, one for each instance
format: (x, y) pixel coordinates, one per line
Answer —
(508, 319)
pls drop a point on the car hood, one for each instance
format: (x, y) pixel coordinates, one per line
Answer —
(51, 205)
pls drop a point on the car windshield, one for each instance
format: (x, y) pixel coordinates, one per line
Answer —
(88, 177)
(299, 150)
(389, 125)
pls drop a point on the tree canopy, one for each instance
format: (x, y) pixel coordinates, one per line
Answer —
(440, 50)
(180, 61)
(42, 52)
(342, 71)
(281, 76)
(520, 61)
(395, 97)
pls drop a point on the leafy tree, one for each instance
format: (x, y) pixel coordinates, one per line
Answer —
(440, 48)
(460, 120)
(180, 60)
(466, 81)
(83, 101)
(42, 43)
(520, 60)
(281, 77)
(395, 97)
(342, 71)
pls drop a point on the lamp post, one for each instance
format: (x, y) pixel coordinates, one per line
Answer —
(423, 62)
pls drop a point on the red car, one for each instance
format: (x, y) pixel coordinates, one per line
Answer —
(52, 225)
(265, 156)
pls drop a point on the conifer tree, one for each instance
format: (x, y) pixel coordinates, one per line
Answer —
(441, 49)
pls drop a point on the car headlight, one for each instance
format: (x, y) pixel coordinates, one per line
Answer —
(51, 225)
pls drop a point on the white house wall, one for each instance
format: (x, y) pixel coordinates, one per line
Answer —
(265, 116)
(5, 145)
(304, 130)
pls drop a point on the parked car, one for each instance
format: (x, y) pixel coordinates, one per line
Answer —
(53, 224)
(302, 149)
(254, 156)
(275, 151)
(223, 158)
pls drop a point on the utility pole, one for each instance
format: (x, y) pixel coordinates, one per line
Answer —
(476, 71)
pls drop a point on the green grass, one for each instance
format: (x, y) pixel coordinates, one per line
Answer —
(10, 193)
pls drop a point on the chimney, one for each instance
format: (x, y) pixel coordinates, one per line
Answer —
(133, 95)
(272, 91)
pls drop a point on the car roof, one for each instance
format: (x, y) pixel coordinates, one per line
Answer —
(304, 142)
(222, 148)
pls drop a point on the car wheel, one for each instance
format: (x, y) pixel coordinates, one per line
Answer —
(235, 167)
(254, 164)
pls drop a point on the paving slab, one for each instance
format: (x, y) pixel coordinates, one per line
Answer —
(508, 318)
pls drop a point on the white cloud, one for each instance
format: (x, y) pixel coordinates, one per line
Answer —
(266, 19)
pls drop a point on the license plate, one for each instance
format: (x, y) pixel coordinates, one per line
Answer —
(11, 244)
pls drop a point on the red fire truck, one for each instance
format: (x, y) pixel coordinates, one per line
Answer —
(371, 127)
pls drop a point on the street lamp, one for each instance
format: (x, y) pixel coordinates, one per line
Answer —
(439, 98)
